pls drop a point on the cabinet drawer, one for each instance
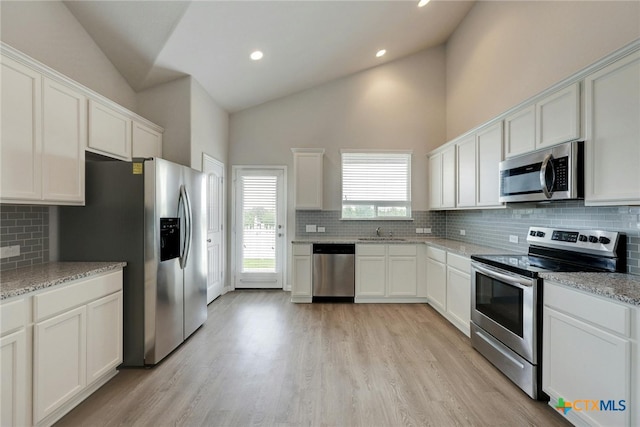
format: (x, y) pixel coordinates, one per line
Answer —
(402, 250)
(377, 249)
(301, 249)
(78, 293)
(13, 315)
(606, 314)
(437, 254)
(459, 262)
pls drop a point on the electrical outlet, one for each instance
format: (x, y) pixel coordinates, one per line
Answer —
(9, 251)
(463, 233)
(427, 230)
(513, 238)
(311, 229)
(419, 230)
(320, 229)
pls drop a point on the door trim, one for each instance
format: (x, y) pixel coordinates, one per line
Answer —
(223, 220)
(232, 229)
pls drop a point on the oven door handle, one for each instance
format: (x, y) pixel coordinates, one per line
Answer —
(512, 279)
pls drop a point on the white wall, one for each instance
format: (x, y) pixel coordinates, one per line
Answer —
(507, 51)
(396, 105)
(209, 127)
(49, 33)
(169, 105)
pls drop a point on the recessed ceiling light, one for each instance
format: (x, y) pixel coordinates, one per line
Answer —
(422, 3)
(256, 55)
(380, 53)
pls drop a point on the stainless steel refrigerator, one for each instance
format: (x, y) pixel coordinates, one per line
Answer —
(151, 214)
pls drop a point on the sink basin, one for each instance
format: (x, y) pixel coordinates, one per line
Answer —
(382, 239)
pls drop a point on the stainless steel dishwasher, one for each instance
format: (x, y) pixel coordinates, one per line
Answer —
(334, 276)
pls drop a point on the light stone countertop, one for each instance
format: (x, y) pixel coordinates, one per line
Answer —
(29, 279)
(460, 248)
(618, 286)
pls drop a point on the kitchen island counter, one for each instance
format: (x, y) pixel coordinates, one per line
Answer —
(30, 279)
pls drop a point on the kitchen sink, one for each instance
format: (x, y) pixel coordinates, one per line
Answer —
(382, 239)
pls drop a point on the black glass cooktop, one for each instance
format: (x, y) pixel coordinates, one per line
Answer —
(531, 265)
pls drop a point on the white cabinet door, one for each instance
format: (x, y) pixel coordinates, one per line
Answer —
(109, 132)
(371, 275)
(308, 178)
(459, 298)
(571, 350)
(520, 131)
(403, 278)
(437, 285)
(612, 132)
(466, 170)
(489, 156)
(449, 177)
(104, 336)
(301, 273)
(13, 387)
(558, 117)
(59, 361)
(64, 143)
(435, 181)
(146, 142)
(21, 132)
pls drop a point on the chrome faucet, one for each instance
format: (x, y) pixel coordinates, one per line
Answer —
(378, 231)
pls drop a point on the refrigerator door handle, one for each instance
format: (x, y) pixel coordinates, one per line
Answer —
(189, 222)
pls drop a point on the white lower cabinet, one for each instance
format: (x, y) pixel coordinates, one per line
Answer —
(459, 291)
(590, 357)
(301, 273)
(449, 286)
(59, 363)
(58, 346)
(15, 352)
(389, 273)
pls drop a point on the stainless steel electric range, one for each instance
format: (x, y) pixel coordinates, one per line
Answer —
(506, 295)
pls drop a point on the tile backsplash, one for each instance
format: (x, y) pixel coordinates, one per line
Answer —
(491, 227)
(335, 227)
(27, 227)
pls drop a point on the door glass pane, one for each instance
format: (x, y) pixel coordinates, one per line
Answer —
(259, 224)
(501, 302)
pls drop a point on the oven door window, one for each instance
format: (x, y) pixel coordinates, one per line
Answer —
(500, 302)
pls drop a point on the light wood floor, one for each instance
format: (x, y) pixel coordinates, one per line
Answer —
(261, 360)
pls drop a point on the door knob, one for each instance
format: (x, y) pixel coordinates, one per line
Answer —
(208, 240)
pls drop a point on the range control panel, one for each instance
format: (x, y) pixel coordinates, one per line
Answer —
(593, 241)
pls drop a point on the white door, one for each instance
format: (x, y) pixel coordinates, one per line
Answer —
(259, 227)
(215, 226)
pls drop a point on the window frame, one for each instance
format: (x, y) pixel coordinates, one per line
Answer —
(377, 204)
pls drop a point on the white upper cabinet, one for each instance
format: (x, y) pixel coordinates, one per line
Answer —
(147, 142)
(466, 167)
(109, 131)
(612, 131)
(44, 135)
(63, 144)
(449, 177)
(435, 180)
(558, 117)
(549, 121)
(21, 148)
(520, 131)
(489, 156)
(308, 178)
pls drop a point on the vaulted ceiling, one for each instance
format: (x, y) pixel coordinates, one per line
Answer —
(305, 43)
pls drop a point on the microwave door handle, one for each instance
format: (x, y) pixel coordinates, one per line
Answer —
(547, 163)
(517, 281)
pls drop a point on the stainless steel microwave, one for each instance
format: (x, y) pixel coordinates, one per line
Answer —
(554, 173)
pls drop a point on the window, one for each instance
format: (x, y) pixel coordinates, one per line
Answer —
(376, 185)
